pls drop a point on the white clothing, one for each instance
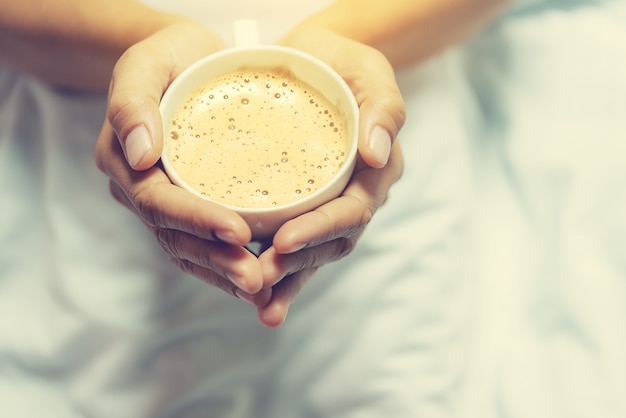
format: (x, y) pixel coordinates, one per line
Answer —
(489, 285)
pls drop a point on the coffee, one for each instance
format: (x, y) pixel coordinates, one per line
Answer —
(256, 138)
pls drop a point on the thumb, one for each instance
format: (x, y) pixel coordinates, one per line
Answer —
(137, 83)
(139, 79)
(381, 108)
(371, 79)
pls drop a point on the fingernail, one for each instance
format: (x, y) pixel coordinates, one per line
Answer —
(379, 143)
(138, 143)
(237, 280)
(228, 237)
(296, 247)
(246, 297)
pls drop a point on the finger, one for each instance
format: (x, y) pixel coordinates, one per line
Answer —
(232, 262)
(276, 267)
(137, 83)
(346, 215)
(372, 80)
(120, 197)
(166, 206)
(273, 314)
(139, 79)
(258, 299)
(235, 263)
(382, 111)
(161, 204)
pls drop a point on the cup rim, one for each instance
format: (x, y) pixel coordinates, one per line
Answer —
(343, 171)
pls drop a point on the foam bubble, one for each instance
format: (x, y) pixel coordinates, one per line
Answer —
(261, 160)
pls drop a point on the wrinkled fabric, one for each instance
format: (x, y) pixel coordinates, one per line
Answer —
(551, 156)
(491, 283)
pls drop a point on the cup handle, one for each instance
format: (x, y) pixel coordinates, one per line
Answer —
(245, 33)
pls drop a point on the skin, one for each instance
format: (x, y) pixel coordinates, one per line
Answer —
(135, 52)
(207, 240)
(73, 44)
(365, 42)
(405, 31)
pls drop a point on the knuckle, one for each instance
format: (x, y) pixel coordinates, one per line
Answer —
(184, 265)
(394, 104)
(105, 146)
(116, 193)
(123, 106)
(345, 246)
(366, 211)
(400, 116)
(167, 240)
(367, 214)
(170, 242)
(315, 258)
(143, 202)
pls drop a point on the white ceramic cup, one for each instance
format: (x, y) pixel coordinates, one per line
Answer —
(264, 222)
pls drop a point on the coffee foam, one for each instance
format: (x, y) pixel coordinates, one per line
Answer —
(256, 138)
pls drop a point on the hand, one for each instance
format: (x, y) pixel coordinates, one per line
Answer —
(201, 237)
(330, 232)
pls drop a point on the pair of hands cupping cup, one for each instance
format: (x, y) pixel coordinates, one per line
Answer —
(267, 131)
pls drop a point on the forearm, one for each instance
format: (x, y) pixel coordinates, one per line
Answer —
(406, 31)
(73, 43)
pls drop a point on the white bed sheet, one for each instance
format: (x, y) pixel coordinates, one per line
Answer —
(550, 222)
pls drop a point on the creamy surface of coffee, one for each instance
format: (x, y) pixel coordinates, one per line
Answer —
(256, 138)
